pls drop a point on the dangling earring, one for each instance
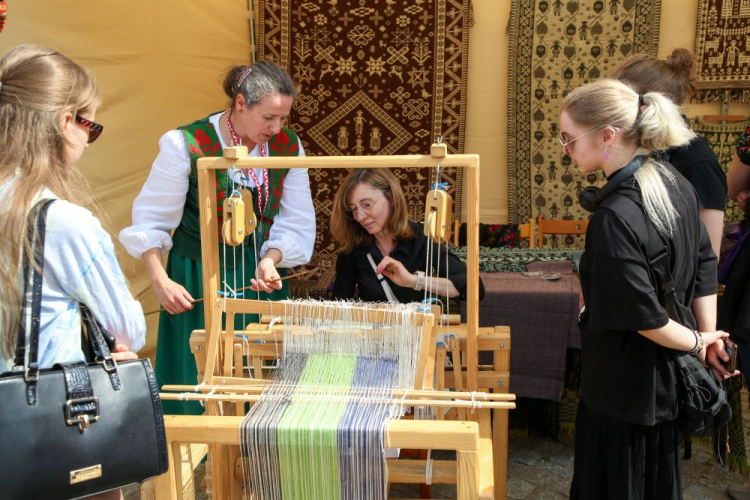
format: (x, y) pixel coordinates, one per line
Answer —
(605, 156)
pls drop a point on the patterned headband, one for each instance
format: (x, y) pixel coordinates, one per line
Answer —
(244, 75)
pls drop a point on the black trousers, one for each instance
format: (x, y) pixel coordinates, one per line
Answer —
(619, 460)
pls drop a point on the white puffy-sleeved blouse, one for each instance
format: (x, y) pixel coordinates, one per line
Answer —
(158, 209)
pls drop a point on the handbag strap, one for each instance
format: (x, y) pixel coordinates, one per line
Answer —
(657, 249)
(81, 407)
(36, 234)
(99, 347)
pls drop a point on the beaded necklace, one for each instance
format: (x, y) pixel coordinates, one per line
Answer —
(250, 172)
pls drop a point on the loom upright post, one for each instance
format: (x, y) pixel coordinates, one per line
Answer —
(472, 266)
(209, 246)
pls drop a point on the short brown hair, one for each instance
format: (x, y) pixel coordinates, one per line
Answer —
(350, 233)
(672, 77)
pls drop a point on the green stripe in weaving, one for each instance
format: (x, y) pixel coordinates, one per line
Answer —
(307, 433)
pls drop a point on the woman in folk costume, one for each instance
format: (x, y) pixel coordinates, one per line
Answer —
(261, 96)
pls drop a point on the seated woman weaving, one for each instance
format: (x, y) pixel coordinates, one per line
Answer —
(384, 256)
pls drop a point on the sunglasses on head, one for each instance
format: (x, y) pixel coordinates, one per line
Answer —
(95, 130)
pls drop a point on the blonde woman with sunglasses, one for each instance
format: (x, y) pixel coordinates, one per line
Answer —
(48, 106)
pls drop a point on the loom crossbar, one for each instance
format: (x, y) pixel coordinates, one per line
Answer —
(472, 479)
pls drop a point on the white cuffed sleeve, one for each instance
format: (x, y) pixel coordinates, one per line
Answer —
(158, 208)
(80, 264)
(293, 229)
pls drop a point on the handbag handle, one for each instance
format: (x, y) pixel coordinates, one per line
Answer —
(36, 233)
(99, 347)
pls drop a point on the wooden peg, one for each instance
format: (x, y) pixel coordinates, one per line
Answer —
(235, 152)
(251, 221)
(439, 150)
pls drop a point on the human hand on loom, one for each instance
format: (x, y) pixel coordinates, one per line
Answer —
(172, 296)
(267, 278)
(276, 280)
(396, 272)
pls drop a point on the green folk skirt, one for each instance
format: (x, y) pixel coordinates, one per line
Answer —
(175, 363)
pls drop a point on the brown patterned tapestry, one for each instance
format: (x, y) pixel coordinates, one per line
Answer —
(722, 50)
(376, 77)
(555, 46)
(723, 140)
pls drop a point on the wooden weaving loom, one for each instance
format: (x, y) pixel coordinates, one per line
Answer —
(480, 441)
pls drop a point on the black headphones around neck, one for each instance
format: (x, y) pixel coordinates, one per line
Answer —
(592, 196)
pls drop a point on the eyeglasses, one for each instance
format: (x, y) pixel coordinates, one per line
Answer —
(363, 208)
(95, 130)
(565, 144)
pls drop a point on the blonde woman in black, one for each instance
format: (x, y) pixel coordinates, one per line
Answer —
(627, 442)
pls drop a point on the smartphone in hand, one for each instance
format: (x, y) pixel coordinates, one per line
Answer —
(732, 351)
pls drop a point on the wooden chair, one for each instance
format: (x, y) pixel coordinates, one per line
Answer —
(527, 231)
(550, 226)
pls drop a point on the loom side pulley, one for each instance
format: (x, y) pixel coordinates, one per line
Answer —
(233, 228)
(239, 222)
(438, 215)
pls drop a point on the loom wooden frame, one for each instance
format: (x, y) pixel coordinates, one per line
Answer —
(209, 218)
(470, 481)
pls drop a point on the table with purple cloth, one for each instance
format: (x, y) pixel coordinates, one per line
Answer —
(543, 319)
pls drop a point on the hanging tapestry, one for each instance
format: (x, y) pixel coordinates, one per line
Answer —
(723, 140)
(375, 78)
(556, 46)
(722, 51)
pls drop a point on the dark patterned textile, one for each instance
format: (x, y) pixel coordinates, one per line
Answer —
(543, 320)
(516, 260)
(494, 235)
(743, 145)
(375, 78)
(556, 46)
(722, 50)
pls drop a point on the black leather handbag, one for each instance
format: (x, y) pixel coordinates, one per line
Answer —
(75, 429)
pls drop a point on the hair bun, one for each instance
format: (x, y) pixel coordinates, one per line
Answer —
(681, 61)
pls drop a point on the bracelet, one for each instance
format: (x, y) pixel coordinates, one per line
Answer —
(699, 343)
(420, 281)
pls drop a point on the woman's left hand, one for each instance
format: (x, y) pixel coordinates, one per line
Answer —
(709, 338)
(267, 278)
(396, 272)
(122, 353)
